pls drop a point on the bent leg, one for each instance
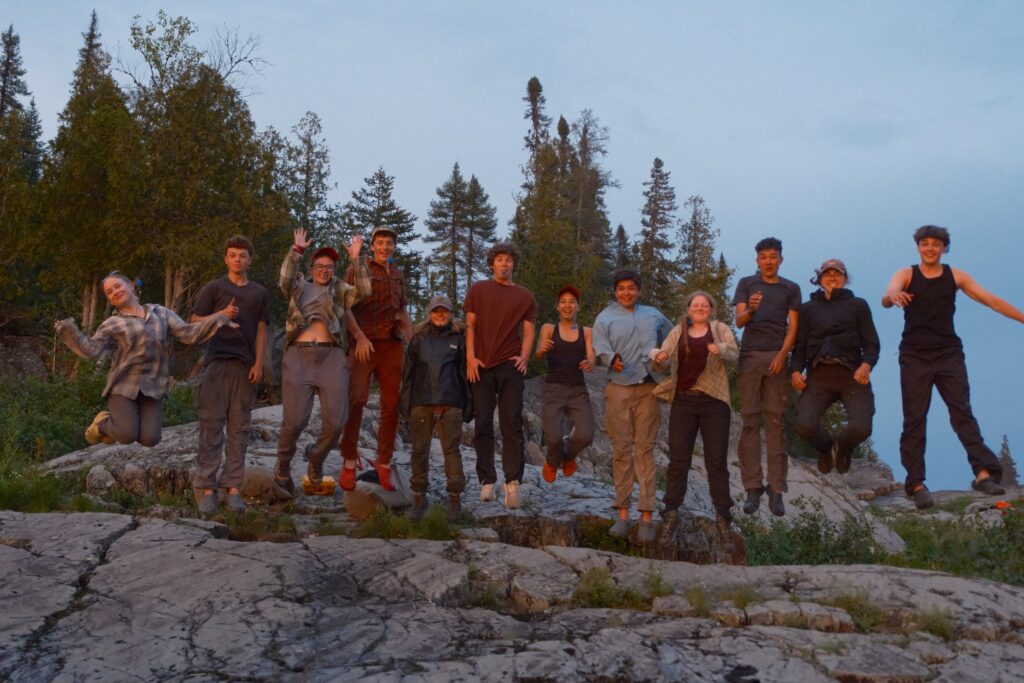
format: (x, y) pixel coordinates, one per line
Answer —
(123, 424)
(151, 420)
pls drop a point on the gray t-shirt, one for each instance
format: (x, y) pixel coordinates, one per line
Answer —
(316, 303)
(767, 329)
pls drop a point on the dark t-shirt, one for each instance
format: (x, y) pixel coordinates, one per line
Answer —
(253, 306)
(928, 318)
(767, 329)
(499, 310)
(692, 364)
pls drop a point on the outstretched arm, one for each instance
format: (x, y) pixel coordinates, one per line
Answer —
(972, 289)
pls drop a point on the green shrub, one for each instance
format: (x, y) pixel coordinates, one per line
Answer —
(809, 538)
(46, 417)
(180, 407)
(25, 486)
(699, 600)
(741, 596)
(597, 589)
(937, 622)
(384, 523)
(866, 615)
(258, 525)
(594, 534)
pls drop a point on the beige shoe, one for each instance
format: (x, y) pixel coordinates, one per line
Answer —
(487, 493)
(512, 495)
(92, 433)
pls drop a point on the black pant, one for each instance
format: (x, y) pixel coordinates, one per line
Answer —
(945, 370)
(499, 386)
(692, 413)
(827, 384)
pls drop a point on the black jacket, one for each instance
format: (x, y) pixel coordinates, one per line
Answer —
(435, 369)
(840, 328)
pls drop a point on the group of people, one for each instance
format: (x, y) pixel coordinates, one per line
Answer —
(445, 372)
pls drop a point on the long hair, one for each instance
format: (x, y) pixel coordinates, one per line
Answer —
(686, 323)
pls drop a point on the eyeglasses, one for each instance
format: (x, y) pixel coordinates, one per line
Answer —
(323, 267)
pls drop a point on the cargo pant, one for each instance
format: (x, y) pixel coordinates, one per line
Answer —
(305, 371)
(224, 399)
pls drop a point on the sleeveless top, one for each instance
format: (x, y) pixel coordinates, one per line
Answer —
(928, 318)
(695, 363)
(564, 359)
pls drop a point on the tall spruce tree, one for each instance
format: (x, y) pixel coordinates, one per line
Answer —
(657, 261)
(374, 205)
(86, 186)
(1010, 474)
(701, 270)
(307, 173)
(622, 249)
(12, 73)
(481, 226)
(446, 227)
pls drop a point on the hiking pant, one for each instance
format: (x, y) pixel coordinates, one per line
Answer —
(762, 394)
(449, 431)
(559, 401)
(134, 419)
(385, 363)
(826, 384)
(693, 412)
(631, 419)
(501, 387)
(225, 398)
(945, 370)
(322, 370)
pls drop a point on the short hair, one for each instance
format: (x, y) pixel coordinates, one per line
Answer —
(926, 231)
(499, 248)
(768, 243)
(626, 274)
(240, 242)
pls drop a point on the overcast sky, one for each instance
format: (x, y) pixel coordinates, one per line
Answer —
(837, 127)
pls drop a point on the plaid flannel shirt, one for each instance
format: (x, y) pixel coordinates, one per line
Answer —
(138, 347)
(345, 296)
(714, 381)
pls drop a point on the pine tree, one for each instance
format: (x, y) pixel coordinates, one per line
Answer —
(1010, 476)
(12, 73)
(374, 205)
(657, 263)
(481, 225)
(700, 269)
(446, 227)
(307, 173)
(622, 250)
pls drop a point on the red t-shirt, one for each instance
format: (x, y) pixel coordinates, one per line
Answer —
(499, 310)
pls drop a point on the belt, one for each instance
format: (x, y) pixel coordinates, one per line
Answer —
(314, 344)
(691, 392)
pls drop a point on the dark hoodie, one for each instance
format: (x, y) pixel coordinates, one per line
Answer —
(435, 368)
(840, 328)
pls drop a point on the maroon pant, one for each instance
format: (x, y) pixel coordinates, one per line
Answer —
(385, 364)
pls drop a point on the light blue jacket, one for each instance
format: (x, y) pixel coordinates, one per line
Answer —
(632, 335)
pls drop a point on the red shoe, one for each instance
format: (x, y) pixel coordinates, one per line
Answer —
(549, 473)
(569, 468)
(347, 480)
(384, 474)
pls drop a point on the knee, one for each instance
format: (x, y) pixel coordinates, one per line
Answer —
(149, 440)
(806, 429)
(858, 431)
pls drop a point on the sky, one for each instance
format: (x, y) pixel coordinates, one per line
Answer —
(837, 127)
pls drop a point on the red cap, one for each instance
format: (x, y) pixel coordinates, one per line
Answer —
(326, 251)
(568, 289)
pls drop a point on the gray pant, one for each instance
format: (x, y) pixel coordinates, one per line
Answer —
(762, 394)
(139, 419)
(559, 401)
(225, 398)
(631, 419)
(304, 371)
(449, 430)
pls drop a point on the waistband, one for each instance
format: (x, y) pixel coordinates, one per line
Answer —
(315, 344)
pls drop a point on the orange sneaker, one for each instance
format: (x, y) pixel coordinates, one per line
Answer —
(347, 480)
(549, 473)
(569, 468)
(384, 474)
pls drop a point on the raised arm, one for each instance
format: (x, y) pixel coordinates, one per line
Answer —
(896, 293)
(290, 266)
(195, 333)
(90, 348)
(972, 289)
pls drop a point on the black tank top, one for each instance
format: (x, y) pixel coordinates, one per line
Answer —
(928, 318)
(564, 359)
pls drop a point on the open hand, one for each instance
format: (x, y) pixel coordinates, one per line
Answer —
(521, 363)
(300, 239)
(364, 347)
(472, 369)
(777, 364)
(355, 247)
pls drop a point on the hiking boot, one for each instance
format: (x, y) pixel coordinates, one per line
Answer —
(753, 501)
(419, 506)
(620, 529)
(988, 486)
(284, 480)
(384, 474)
(315, 473)
(843, 459)
(922, 497)
(669, 527)
(234, 502)
(347, 478)
(454, 506)
(646, 533)
(723, 525)
(549, 473)
(207, 503)
(512, 495)
(487, 493)
(569, 468)
(92, 433)
(775, 504)
(825, 459)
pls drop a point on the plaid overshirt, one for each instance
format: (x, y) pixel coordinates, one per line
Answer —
(714, 381)
(345, 296)
(138, 347)
(376, 314)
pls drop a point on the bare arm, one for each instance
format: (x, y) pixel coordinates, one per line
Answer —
(590, 361)
(896, 293)
(972, 289)
(256, 371)
(529, 334)
(364, 347)
(472, 364)
(778, 363)
(545, 342)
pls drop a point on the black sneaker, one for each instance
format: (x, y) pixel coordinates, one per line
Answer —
(843, 459)
(775, 504)
(825, 460)
(988, 486)
(753, 501)
(669, 527)
(922, 498)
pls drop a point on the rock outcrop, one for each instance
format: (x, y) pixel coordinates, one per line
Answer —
(105, 597)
